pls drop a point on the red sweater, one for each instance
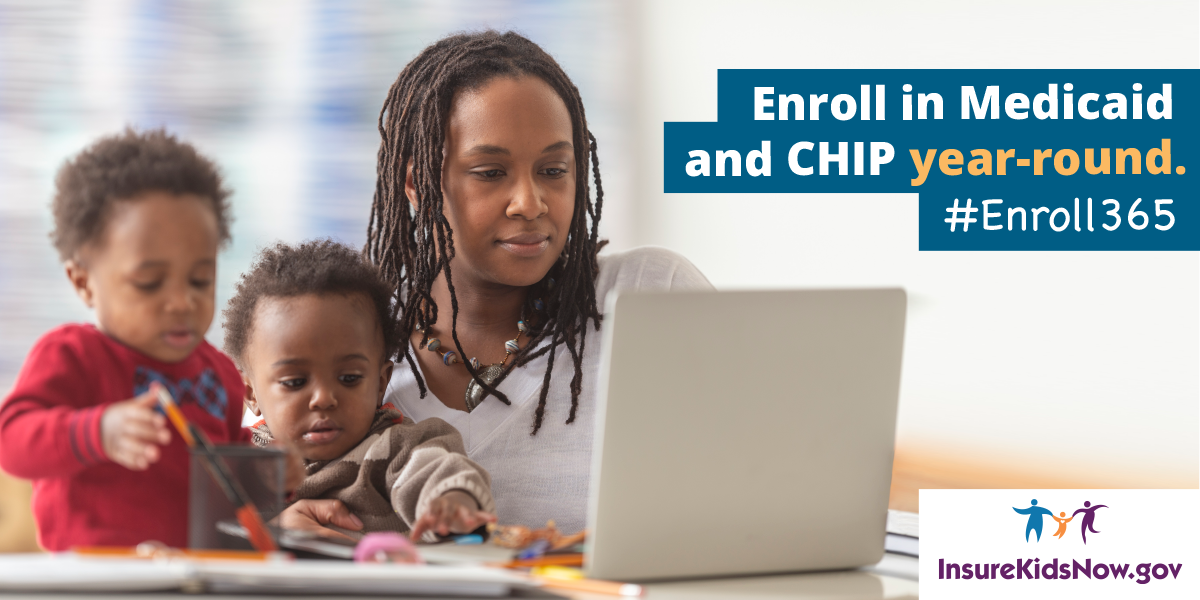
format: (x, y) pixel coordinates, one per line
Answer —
(50, 433)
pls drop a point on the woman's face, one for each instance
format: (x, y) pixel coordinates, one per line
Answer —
(509, 180)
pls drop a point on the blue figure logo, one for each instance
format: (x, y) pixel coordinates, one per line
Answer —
(1035, 513)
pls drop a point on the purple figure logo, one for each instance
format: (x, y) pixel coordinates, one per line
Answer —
(1034, 523)
(1089, 518)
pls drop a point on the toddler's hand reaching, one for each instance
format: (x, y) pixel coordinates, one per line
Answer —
(452, 512)
(131, 431)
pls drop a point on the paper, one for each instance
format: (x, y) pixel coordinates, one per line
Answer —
(68, 572)
(903, 523)
(337, 577)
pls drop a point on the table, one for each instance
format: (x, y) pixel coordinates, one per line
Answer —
(893, 578)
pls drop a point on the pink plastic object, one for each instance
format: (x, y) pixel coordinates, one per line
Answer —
(387, 547)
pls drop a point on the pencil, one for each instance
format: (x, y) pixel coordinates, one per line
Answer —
(128, 552)
(594, 586)
(246, 513)
(574, 559)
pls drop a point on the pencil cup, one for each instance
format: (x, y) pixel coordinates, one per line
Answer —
(260, 471)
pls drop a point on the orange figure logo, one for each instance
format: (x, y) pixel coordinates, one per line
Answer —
(1062, 524)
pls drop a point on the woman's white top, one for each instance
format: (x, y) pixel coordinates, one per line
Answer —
(540, 477)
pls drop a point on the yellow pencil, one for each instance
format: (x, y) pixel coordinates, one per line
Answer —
(594, 586)
(565, 578)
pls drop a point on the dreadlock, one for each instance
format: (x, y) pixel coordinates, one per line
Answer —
(413, 246)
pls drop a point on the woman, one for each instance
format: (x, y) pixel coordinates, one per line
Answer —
(484, 219)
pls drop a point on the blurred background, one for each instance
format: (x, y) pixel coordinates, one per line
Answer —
(1021, 369)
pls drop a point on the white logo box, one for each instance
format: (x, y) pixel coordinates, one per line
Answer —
(1156, 531)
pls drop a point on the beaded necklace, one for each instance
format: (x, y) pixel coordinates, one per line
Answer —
(489, 373)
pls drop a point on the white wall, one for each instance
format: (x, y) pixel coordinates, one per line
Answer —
(1084, 358)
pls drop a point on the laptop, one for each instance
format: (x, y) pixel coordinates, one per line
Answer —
(744, 432)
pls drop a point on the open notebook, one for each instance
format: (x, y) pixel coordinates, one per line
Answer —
(67, 572)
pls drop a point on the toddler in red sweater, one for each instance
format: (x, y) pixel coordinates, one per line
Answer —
(138, 221)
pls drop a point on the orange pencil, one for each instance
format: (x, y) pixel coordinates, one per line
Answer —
(175, 416)
(574, 559)
(138, 552)
(247, 514)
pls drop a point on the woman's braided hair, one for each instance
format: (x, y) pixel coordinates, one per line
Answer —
(413, 246)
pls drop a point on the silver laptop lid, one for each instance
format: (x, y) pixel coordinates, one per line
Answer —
(744, 432)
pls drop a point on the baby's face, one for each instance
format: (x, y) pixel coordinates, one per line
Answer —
(315, 371)
(150, 275)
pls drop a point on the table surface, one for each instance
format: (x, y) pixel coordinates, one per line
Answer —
(893, 578)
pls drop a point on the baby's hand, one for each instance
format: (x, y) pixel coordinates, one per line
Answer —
(453, 512)
(131, 431)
